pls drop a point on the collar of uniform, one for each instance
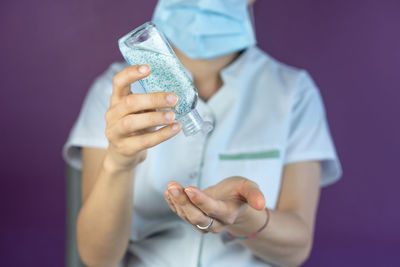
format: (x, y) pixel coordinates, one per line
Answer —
(219, 104)
(231, 73)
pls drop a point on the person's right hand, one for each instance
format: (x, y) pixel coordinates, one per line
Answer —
(132, 118)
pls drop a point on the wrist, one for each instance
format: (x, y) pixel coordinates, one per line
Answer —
(111, 166)
(250, 224)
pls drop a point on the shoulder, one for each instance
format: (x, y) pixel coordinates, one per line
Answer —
(273, 75)
(276, 86)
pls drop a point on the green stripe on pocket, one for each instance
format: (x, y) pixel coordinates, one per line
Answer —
(255, 155)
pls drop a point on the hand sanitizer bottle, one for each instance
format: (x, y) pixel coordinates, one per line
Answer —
(147, 45)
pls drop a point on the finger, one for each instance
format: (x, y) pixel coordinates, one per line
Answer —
(253, 195)
(187, 210)
(175, 192)
(135, 103)
(124, 78)
(141, 142)
(210, 206)
(136, 122)
(168, 199)
(216, 227)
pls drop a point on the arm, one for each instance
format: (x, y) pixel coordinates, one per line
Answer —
(237, 204)
(287, 240)
(104, 221)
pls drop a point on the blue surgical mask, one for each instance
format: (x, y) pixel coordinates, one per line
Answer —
(206, 28)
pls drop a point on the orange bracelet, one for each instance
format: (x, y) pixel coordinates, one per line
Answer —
(255, 233)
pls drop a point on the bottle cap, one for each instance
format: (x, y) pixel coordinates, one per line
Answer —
(192, 123)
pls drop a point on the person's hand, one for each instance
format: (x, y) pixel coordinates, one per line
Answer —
(226, 202)
(132, 118)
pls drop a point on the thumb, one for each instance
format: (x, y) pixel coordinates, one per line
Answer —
(253, 195)
(122, 81)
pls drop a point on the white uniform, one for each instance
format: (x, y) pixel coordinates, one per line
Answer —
(265, 115)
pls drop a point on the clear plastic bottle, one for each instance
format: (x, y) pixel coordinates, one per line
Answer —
(147, 45)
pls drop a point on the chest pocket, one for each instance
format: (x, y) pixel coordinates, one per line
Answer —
(262, 166)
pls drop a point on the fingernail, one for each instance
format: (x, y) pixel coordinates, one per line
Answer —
(173, 191)
(189, 193)
(169, 116)
(143, 69)
(175, 127)
(172, 98)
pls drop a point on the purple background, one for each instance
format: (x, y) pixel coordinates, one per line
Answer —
(52, 50)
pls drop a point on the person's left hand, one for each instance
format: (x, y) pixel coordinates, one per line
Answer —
(225, 202)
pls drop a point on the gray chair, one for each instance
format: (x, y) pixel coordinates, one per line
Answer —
(73, 195)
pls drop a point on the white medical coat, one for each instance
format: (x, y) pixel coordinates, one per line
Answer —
(265, 115)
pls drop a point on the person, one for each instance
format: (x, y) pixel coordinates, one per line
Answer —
(150, 194)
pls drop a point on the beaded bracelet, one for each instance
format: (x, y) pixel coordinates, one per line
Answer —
(253, 234)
